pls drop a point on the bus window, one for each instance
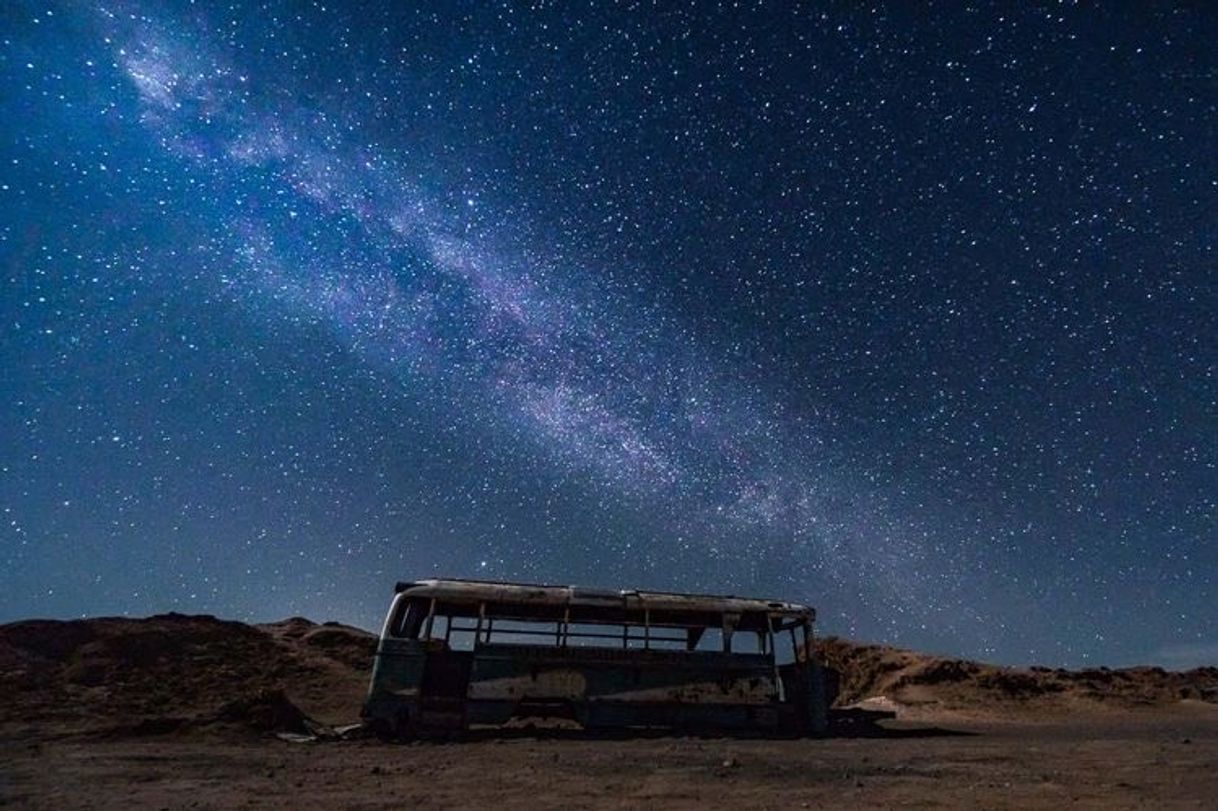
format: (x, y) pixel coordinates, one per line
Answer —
(747, 642)
(410, 619)
(521, 632)
(711, 640)
(439, 627)
(460, 634)
(666, 639)
(589, 635)
(784, 648)
(637, 641)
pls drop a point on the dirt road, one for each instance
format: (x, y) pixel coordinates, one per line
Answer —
(1161, 759)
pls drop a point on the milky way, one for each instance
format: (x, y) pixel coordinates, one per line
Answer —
(592, 383)
(631, 298)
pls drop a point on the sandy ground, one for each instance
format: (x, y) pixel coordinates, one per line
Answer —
(1166, 758)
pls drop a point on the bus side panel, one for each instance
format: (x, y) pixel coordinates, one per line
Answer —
(610, 714)
(604, 687)
(397, 678)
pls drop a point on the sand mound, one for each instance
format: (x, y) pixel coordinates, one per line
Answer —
(912, 679)
(266, 711)
(135, 672)
(349, 646)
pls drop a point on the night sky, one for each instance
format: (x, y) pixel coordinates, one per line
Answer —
(909, 315)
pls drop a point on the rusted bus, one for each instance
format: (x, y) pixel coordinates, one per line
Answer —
(454, 653)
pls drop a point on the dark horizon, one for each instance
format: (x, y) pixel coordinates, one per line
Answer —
(909, 317)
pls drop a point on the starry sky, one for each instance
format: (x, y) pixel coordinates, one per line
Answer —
(909, 314)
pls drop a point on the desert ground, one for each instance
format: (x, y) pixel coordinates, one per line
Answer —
(183, 712)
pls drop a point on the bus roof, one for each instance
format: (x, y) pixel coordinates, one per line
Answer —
(475, 591)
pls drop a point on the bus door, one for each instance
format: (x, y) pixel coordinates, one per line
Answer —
(793, 664)
(445, 684)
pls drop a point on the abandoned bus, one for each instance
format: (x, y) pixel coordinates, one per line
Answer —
(456, 653)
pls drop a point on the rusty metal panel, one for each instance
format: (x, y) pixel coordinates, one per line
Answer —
(475, 591)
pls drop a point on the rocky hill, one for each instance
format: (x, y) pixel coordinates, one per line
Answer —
(909, 679)
(117, 673)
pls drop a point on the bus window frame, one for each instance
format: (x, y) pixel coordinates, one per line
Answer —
(768, 628)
